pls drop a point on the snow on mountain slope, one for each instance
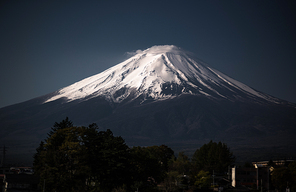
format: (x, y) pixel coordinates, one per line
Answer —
(156, 72)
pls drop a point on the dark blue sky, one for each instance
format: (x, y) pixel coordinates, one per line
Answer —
(47, 45)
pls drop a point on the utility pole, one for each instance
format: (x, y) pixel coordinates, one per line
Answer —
(44, 185)
(213, 178)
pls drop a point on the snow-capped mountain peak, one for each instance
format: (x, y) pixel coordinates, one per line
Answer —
(159, 72)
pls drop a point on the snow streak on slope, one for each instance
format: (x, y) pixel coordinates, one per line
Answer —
(157, 72)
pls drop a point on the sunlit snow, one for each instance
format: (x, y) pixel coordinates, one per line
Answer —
(146, 71)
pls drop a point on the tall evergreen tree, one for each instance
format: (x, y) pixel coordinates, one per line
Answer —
(65, 123)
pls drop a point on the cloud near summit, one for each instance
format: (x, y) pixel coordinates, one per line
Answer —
(156, 49)
(132, 53)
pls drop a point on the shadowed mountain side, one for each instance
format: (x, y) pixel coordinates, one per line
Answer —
(184, 122)
(194, 117)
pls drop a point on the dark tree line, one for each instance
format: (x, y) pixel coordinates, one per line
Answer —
(85, 159)
(81, 159)
(283, 177)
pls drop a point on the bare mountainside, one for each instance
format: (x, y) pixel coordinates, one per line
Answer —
(161, 95)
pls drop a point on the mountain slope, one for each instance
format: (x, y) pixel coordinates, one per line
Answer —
(159, 96)
(159, 72)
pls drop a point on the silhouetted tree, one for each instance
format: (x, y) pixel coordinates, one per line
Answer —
(181, 164)
(163, 154)
(280, 178)
(285, 176)
(203, 179)
(147, 170)
(61, 125)
(213, 156)
(149, 165)
(81, 159)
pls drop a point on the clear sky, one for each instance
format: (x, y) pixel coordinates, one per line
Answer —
(47, 45)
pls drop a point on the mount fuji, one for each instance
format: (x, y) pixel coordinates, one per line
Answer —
(160, 72)
(162, 95)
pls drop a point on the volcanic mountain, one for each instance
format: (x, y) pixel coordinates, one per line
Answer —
(162, 95)
(160, 72)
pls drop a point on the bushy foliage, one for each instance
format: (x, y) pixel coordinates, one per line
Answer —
(285, 176)
(178, 170)
(150, 166)
(203, 179)
(81, 159)
(85, 159)
(213, 156)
